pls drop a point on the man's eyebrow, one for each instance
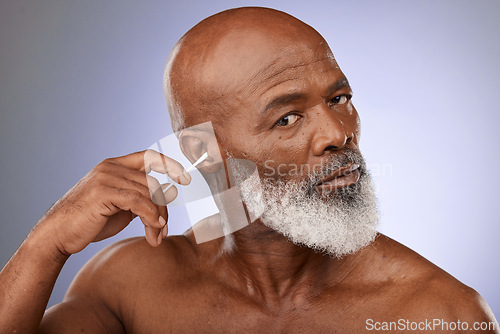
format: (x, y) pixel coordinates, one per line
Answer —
(282, 100)
(341, 83)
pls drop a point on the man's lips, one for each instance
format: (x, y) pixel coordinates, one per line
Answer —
(341, 177)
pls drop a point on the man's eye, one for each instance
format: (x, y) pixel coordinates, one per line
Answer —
(288, 120)
(341, 99)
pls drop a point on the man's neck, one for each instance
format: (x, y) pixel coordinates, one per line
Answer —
(274, 268)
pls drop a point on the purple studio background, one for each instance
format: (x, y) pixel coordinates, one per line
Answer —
(82, 81)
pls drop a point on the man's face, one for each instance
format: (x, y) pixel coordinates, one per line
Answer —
(277, 98)
(291, 112)
(288, 109)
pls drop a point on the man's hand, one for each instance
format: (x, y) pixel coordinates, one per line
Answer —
(112, 194)
(99, 206)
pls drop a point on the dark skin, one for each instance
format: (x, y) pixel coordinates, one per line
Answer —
(261, 282)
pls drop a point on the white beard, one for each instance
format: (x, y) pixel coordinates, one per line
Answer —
(338, 224)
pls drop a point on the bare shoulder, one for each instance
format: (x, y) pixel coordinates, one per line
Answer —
(421, 289)
(133, 260)
(107, 288)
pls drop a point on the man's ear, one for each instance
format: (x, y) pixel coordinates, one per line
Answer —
(194, 143)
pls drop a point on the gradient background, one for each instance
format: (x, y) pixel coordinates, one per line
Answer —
(82, 81)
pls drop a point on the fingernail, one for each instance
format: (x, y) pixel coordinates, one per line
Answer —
(162, 221)
(185, 177)
(164, 231)
(160, 237)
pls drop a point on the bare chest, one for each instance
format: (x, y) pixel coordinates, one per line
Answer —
(205, 310)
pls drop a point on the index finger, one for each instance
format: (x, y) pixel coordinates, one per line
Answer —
(149, 160)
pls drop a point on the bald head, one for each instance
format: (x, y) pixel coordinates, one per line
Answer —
(227, 56)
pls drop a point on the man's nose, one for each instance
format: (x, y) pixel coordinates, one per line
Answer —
(333, 131)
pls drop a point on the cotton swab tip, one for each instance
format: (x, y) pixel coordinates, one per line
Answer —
(190, 168)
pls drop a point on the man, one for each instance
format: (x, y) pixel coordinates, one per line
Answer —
(312, 261)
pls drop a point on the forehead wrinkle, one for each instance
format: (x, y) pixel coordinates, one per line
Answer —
(281, 71)
(279, 83)
(291, 67)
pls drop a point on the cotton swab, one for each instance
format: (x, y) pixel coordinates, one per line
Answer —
(197, 162)
(190, 168)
